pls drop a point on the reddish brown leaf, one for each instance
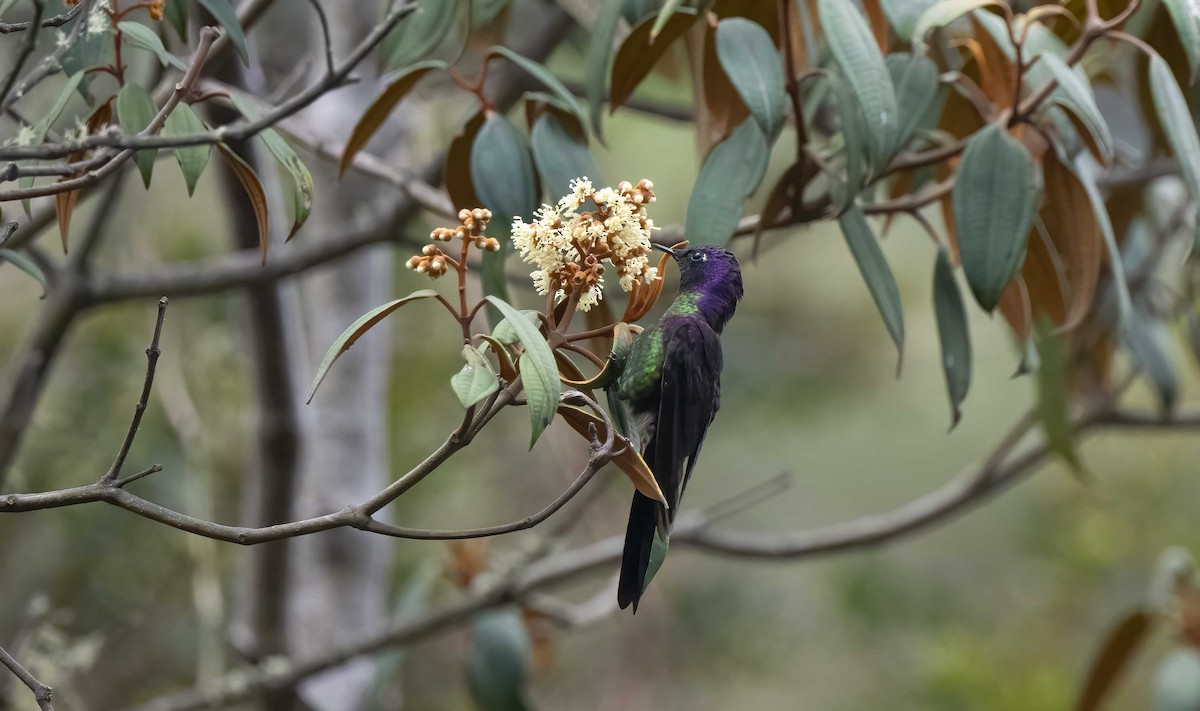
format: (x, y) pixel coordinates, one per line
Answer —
(1114, 656)
(64, 203)
(1071, 226)
(458, 165)
(638, 54)
(629, 461)
(254, 190)
(763, 12)
(997, 75)
(64, 206)
(1014, 306)
(879, 24)
(379, 110)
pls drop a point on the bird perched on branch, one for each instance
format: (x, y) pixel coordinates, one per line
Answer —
(670, 383)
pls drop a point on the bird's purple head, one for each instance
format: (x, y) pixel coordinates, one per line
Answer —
(714, 275)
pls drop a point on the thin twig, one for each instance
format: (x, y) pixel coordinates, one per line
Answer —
(57, 21)
(152, 354)
(44, 694)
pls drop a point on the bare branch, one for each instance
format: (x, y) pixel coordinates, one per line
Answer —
(41, 692)
(152, 354)
(57, 21)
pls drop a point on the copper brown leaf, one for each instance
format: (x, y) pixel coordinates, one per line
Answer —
(638, 53)
(1114, 656)
(628, 461)
(458, 165)
(382, 107)
(254, 190)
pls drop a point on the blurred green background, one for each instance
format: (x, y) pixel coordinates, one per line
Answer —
(998, 610)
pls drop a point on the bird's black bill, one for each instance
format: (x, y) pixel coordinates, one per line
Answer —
(664, 248)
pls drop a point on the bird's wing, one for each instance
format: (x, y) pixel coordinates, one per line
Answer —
(691, 387)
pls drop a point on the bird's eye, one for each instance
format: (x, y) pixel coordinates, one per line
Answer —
(697, 256)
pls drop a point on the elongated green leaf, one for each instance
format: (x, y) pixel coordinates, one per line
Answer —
(903, 14)
(25, 264)
(733, 170)
(916, 82)
(47, 120)
(476, 380)
(599, 59)
(1076, 96)
(543, 76)
(1149, 342)
(856, 141)
(1177, 682)
(176, 15)
(1186, 16)
(669, 7)
(503, 178)
(148, 39)
(302, 180)
(943, 13)
(135, 111)
(365, 323)
(418, 34)
(223, 12)
(875, 272)
(750, 60)
(183, 121)
(539, 373)
(560, 156)
(499, 664)
(1120, 284)
(91, 49)
(506, 334)
(953, 334)
(995, 199)
(854, 48)
(1052, 406)
(1115, 654)
(382, 107)
(1176, 120)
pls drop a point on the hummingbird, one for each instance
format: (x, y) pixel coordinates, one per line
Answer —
(669, 383)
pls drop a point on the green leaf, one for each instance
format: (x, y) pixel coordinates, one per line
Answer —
(1120, 284)
(47, 120)
(750, 60)
(539, 372)
(875, 272)
(559, 156)
(854, 48)
(1052, 383)
(89, 50)
(147, 39)
(916, 82)
(484, 11)
(6, 5)
(499, 664)
(904, 14)
(135, 111)
(183, 121)
(418, 34)
(505, 333)
(223, 12)
(544, 77)
(367, 321)
(176, 15)
(1186, 17)
(599, 59)
(995, 199)
(943, 13)
(302, 180)
(1149, 342)
(669, 7)
(733, 170)
(503, 178)
(856, 141)
(1176, 120)
(658, 555)
(953, 333)
(383, 105)
(476, 380)
(1177, 682)
(1075, 95)
(25, 264)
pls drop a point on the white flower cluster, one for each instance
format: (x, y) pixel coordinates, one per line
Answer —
(568, 246)
(98, 20)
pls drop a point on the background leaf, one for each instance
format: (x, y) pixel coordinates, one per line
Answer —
(539, 374)
(875, 272)
(953, 334)
(560, 156)
(1053, 413)
(1186, 18)
(750, 60)
(192, 160)
(729, 175)
(302, 180)
(383, 105)
(543, 75)
(1177, 682)
(146, 38)
(254, 190)
(499, 663)
(1114, 657)
(1176, 120)
(1074, 94)
(365, 323)
(916, 82)
(418, 34)
(599, 59)
(25, 264)
(638, 54)
(995, 195)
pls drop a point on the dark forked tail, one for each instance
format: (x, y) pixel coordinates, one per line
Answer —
(639, 539)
